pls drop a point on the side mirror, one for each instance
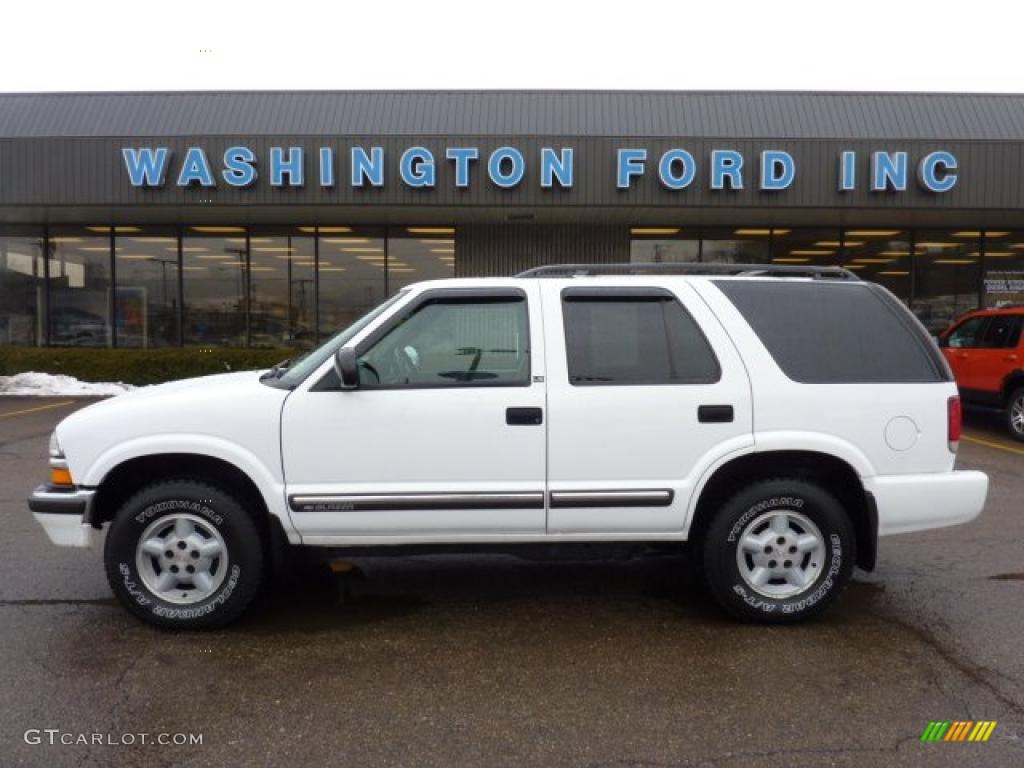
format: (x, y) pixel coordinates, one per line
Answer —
(347, 368)
(942, 341)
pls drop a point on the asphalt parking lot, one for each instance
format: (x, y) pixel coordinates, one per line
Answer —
(474, 661)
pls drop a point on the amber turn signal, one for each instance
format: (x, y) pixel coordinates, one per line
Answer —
(60, 476)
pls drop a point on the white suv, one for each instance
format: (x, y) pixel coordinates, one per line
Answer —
(778, 419)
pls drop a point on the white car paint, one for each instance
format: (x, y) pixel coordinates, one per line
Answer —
(309, 443)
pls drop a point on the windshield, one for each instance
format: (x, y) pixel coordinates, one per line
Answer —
(303, 366)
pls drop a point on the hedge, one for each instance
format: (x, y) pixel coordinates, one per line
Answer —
(137, 366)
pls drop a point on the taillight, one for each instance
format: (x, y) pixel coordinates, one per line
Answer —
(955, 418)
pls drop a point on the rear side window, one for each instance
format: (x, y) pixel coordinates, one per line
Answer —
(1002, 332)
(837, 333)
(634, 337)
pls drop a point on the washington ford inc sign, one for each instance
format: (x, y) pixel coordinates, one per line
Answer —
(505, 167)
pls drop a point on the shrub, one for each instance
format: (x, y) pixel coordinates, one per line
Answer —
(137, 366)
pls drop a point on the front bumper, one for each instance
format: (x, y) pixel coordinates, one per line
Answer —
(908, 503)
(64, 514)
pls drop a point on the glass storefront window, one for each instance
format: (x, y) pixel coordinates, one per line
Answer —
(881, 256)
(741, 245)
(947, 264)
(419, 253)
(282, 283)
(22, 288)
(80, 287)
(146, 302)
(215, 285)
(1003, 281)
(797, 247)
(352, 275)
(663, 245)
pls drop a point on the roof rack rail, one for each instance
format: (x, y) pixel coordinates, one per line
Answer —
(729, 270)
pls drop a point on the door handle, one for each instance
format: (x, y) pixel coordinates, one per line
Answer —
(1010, 359)
(524, 417)
(714, 414)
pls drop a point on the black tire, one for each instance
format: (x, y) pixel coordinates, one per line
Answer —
(720, 557)
(1015, 401)
(212, 509)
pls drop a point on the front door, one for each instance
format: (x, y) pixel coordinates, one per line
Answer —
(445, 435)
(960, 347)
(645, 389)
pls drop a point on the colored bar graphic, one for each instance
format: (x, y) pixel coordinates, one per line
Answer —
(935, 730)
(958, 730)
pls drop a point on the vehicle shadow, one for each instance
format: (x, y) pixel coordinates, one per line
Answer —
(466, 588)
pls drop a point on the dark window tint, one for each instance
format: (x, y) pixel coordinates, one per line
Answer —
(824, 333)
(635, 339)
(1002, 332)
(967, 334)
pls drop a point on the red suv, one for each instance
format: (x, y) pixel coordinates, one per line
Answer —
(985, 352)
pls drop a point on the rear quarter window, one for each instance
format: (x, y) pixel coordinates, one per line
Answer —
(837, 333)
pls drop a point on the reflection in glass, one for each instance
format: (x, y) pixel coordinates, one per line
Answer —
(1004, 268)
(214, 278)
(663, 245)
(797, 247)
(146, 302)
(22, 290)
(881, 256)
(412, 258)
(947, 264)
(79, 288)
(352, 277)
(282, 285)
(743, 245)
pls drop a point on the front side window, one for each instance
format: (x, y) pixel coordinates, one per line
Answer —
(453, 343)
(634, 339)
(967, 333)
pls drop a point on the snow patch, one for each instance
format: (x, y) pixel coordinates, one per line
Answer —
(56, 385)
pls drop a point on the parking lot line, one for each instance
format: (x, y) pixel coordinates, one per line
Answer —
(993, 444)
(37, 408)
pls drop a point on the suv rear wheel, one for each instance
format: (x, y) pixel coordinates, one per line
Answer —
(184, 554)
(1015, 414)
(778, 551)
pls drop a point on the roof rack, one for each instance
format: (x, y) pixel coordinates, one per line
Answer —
(729, 270)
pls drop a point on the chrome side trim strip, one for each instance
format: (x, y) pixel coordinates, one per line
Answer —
(655, 497)
(417, 501)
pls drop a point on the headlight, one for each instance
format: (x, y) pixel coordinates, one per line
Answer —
(56, 452)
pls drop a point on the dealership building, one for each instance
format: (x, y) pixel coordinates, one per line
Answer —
(275, 218)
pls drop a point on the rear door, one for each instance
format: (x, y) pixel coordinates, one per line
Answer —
(996, 355)
(645, 390)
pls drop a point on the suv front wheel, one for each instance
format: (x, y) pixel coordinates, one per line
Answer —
(183, 554)
(778, 551)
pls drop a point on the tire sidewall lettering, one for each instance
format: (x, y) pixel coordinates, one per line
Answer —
(179, 505)
(775, 502)
(137, 592)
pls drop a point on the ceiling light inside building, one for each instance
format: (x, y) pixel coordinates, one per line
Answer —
(654, 231)
(430, 230)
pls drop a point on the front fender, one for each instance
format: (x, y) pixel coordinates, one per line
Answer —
(270, 485)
